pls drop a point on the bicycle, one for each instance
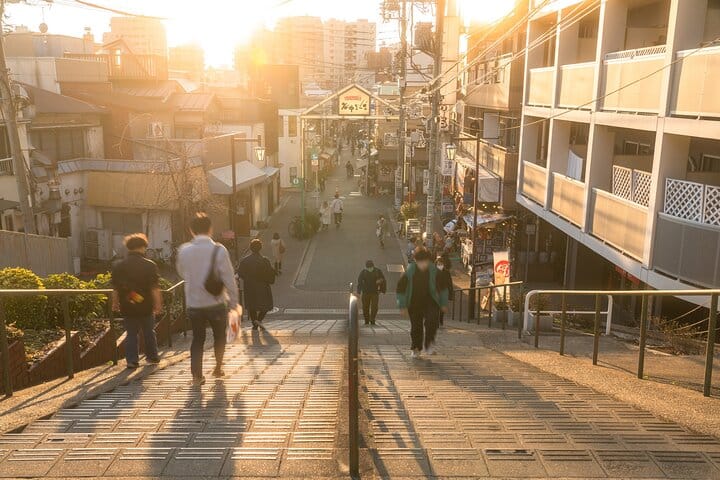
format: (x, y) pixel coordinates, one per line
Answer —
(296, 228)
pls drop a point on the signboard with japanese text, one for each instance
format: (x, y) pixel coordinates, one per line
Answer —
(447, 166)
(354, 102)
(426, 182)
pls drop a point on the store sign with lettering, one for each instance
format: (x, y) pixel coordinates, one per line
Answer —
(354, 102)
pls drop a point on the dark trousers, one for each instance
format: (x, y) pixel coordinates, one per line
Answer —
(217, 317)
(370, 306)
(423, 323)
(256, 316)
(133, 325)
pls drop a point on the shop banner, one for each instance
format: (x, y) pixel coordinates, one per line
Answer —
(501, 262)
(448, 166)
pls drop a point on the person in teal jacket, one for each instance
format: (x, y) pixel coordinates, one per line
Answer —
(422, 294)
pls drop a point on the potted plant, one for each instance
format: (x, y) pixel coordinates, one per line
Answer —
(538, 302)
(517, 304)
(500, 315)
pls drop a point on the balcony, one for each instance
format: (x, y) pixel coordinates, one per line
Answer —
(624, 68)
(576, 85)
(534, 184)
(492, 90)
(694, 89)
(540, 86)
(568, 199)
(6, 166)
(127, 66)
(619, 223)
(632, 185)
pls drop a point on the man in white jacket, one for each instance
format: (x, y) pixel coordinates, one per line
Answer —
(337, 209)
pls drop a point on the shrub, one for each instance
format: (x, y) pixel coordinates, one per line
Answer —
(101, 281)
(13, 333)
(80, 306)
(24, 312)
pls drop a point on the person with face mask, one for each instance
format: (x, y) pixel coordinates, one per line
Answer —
(422, 295)
(444, 276)
(371, 283)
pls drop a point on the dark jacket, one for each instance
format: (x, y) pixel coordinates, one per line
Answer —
(257, 275)
(371, 282)
(446, 279)
(438, 289)
(135, 278)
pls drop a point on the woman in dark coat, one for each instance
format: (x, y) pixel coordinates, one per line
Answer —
(257, 274)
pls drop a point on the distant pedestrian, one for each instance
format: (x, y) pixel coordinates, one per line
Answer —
(278, 251)
(337, 209)
(257, 275)
(325, 215)
(349, 169)
(381, 230)
(445, 277)
(210, 290)
(422, 295)
(371, 283)
(137, 296)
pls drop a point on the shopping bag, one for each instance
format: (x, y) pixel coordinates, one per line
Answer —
(233, 326)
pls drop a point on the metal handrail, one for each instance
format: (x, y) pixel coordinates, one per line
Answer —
(67, 323)
(353, 386)
(645, 296)
(475, 291)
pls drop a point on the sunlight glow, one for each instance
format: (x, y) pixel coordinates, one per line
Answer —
(484, 11)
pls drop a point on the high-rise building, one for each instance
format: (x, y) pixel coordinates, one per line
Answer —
(187, 60)
(143, 35)
(329, 54)
(620, 141)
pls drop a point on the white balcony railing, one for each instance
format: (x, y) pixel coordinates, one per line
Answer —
(619, 223)
(576, 85)
(541, 86)
(6, 167)
(694, 84)
(534, 185)
(568, 198)
(636, 52)
(692, 201)
(632, 185)
(632, 80)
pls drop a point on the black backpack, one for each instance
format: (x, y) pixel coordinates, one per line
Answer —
(213, 283)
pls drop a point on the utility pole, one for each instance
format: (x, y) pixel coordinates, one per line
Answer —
(402, 128)
(435, 118)
(7, 105)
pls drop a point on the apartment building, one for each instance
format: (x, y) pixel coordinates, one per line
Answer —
(187, 61)
(620, 140)
(144, 35)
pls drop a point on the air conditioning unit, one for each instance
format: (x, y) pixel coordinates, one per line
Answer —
(98, 244)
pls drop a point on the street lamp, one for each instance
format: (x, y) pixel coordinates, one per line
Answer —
(260, 154)
(450, 150)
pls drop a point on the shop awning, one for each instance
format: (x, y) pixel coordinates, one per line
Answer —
(483, 219)
(246, 175)
(488, 183)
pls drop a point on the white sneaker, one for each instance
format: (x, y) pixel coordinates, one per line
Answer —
(430, 350)
(415, 354)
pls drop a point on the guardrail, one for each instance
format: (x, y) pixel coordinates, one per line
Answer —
(353, 387)
(457, 306)
(67, 322)
(645, 296)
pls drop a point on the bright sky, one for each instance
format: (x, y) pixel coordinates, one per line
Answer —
(217, 25)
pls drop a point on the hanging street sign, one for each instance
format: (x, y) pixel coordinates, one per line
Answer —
(354, 102)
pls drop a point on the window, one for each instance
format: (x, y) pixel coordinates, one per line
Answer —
(60, 144)
(710, 163)
(281, 126)
(636, 148)
(122, 223)
(4, 144)
(292, 126)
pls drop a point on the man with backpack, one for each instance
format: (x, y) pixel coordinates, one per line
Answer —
(371, 283)
(336, 206)
(210, 290)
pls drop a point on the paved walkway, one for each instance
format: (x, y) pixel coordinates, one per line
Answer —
(477, 409)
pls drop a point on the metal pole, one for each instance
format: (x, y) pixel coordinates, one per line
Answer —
(710, 349)
(490, 305)
(68, 337)
(9, 113)
(233, 201)
(112, 330)
(402, 128)
(353, 402)
(435, 117)
(537, 322)
(170, 319)
(563, 314)
(596, 331)
(473, 267)
(302, 179)
(5, 352)
(643, 336)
